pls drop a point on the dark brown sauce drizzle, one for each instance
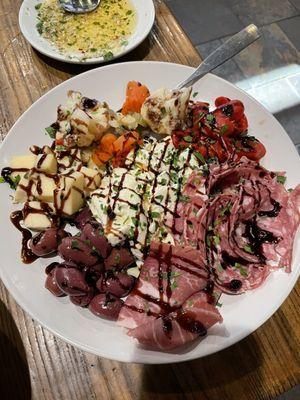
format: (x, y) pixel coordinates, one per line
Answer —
(209, 290)
(188, 321)
(227, 110)
(6, 175)
(271, 213)
(233, 285)
(41, 160)
(257, 237)
(27, 255)
(231, 261)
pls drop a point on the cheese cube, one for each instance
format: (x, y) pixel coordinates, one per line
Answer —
(69, 197)
(92, 178)
(22, 163)
(21, 194)
(43, 187)
(46, 163)
(73, 160)
(36, 217)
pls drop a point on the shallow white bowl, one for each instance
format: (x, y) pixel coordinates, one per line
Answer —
(28, 20)
(242, 314)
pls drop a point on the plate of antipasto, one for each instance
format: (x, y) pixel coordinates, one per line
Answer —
(161, 232)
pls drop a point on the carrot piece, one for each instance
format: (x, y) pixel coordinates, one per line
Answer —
(105, 149)
(106, 143)
(100, 157)
(123, 145)
(136, 94)
(126, 142)
(115, 149)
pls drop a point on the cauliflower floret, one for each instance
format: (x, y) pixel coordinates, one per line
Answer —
(82, 121)
(166, 110)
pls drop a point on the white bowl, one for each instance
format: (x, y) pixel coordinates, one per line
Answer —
(28, 20)
(242, 314)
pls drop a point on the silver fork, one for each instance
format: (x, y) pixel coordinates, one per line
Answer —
(227, 50)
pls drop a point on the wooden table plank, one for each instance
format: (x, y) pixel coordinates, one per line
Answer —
(37, 365)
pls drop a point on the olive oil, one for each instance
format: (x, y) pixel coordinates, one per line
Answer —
(103, 32)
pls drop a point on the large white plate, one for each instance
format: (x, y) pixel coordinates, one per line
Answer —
(242, 314)
(28, 20)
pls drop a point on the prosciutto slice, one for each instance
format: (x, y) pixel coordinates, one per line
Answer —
(173, 302)
(169, 276)
(244, 221)
(178, 328)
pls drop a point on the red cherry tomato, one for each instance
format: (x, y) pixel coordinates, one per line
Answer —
(252, 149)
(218, 133)
(220, 101)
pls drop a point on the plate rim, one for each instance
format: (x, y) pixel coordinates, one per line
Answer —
(93, 61)
(121, 358)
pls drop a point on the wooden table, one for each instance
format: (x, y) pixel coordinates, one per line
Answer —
(35, 364)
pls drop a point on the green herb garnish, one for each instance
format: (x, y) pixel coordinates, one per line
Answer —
(159, 197)
(38, 6)
(242, 270)
(108, 56)
(60, 148)
(281, 179)
(184, 198)
(195, 94)
(209, 117)
(39, 27)
(75, 245)
(154, 214)
(217, 240)
(50, 131)
(14, 182)
(199, 156)
(188, 139)
(248, 249)
(223, 129)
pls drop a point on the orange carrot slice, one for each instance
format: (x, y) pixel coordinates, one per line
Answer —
(136, 94)
(107, 141)
(104, 151)
(100, 158)
(115, 149)
(123, 145)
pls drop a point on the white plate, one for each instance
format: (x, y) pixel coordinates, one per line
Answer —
(28, 20)
(242, 314)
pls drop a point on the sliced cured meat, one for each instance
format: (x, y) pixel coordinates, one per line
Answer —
(169, 276)
(179, 327)
(243, 220)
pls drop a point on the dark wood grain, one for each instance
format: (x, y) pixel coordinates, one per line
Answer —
(35, 364)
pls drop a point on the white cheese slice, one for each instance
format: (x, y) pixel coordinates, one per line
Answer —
(92, 178)
(69, 197)
(21, 194)
(25, 162)
(36, 219)
(46, 163)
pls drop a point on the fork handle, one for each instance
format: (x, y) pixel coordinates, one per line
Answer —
(227, 50)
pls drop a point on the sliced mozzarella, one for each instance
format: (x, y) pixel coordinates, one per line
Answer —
(166, 110)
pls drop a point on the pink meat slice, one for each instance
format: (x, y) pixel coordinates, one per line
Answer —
(187, 275)
(183, 326)
(284, 226)
(249, 192)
